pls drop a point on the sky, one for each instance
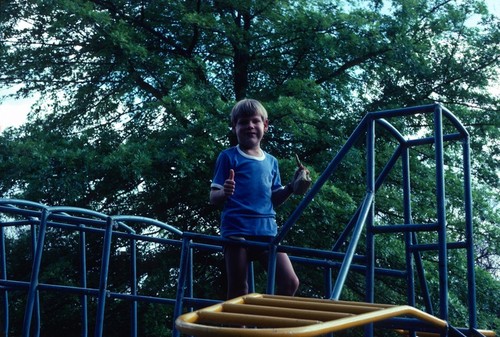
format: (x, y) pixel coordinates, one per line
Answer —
(14, 112)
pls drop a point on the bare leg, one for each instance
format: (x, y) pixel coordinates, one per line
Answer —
(237, 270)
(287, 281)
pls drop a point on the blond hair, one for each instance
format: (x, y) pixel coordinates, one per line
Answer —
(246, 108)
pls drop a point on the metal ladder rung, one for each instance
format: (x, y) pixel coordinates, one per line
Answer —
(335, 307)
(228, 318)
(283, 312)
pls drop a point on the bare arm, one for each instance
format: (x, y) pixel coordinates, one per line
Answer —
(280, 196)
(219, 196)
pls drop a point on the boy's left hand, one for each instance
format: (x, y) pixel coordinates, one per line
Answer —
(301, 178)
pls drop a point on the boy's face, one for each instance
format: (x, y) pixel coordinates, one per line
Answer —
(249, 130)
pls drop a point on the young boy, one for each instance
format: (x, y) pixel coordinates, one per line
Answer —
(247, 183)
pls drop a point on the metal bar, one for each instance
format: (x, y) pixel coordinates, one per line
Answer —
(251, 278)
(148, 221)
(271, 268)
(370, 221)
(405, 228)
(318, 315)
(354, 267)
(441, 214)
(4, 292)
(35, 272)
(191, 323)
(181, 283)
(190, 274)
(103, 281)
(321, 181)
(133, 287)
(469, 234)
(436, 246)
(454, 120)
(339, 283)
(431, 140)
(380, 179)
(252, 320)
(83, 282)
(370, 238)
(422, 109)
(426, 294)
(410, 290)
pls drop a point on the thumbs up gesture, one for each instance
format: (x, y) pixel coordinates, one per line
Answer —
(301, 179)
(229, 184)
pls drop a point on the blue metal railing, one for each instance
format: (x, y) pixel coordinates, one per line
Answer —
(344, 256)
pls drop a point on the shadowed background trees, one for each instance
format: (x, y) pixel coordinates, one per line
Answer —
(135, 99)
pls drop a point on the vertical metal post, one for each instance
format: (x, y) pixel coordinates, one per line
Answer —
(469, 235)
(35, 272)
(83, 281)
(370, 221)
(251, 278)
(271, 268)
(133, 286)
(327, 275)
(190, 278)
(103, 281)
(407, 220)
(4, 292)
(441, 213)
(370, 188)
(183, 273)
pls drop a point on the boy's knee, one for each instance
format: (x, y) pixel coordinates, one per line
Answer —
(289, 287)
(294, 285)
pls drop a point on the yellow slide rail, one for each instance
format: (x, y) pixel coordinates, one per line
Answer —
(260, 315)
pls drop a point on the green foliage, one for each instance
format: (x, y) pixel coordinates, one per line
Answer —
(135, 98)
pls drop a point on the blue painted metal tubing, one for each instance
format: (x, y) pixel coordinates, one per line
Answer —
(410, 289)
(35, 271)
(271, 268)
(469, 236)
(441, 214)
(367, 203)
(3, 276)
(103, 281)
(133, 287)
(369, 220)
(184, 264)
(83, 282)
(322, 179)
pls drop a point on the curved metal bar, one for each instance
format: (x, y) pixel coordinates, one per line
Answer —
(280, 316)
(392, 130)
(455, 121)
(19, 202)
(83, 211)
(149, 221)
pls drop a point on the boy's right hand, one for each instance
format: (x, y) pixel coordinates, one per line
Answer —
(229, 184)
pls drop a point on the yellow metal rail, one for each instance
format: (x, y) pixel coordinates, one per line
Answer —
(261, 315)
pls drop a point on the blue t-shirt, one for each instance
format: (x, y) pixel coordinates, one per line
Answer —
(249, 211)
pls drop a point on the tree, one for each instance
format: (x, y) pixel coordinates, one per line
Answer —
(136, 96)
